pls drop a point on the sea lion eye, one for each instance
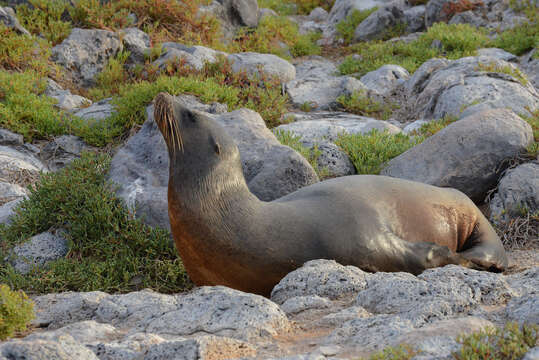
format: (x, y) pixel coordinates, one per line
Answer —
(217, 148)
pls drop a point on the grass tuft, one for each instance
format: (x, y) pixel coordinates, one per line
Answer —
(369, 152)
(16, 311)
(288, 138)
(360, 103)
(346, 27)
(108, 249)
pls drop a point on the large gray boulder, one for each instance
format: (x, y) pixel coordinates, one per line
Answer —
(19, 167)
(465, 155)
(440, 88)
(385, 79)
(97, 111)
(10, 138)
(141, 166)
(317, 85)
(65, 349)
(323, 278)
(84, 53)
(192, 56)
(379, 22)
(137, 42)
(62, 150)
(518, 193)
(7, 210)
(11, 192)
(271, 65)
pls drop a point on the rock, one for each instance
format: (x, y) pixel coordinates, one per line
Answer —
(207, 310)
(415, 299)
(318, 14)
(56, 310)
(437, 340)
(324, 278)
(19, 166)
(414, 126)
(272, 170)
(379, 22)
(316, 85)
(271, 65)
(497, 54)
(385, 79)
(316, 126)
(9, 138)
(11, 192)
(436, 11)
(84, 332)
(302, 303)
(532, 354)
(465, 154)
(264, 12)
(97, 111)
(201, 348)
(137, 42)
(85, 53)
(9, 19)
(66, 349)
(246, 11)
(132, 347)
(415, 19)
(440, 88)
(524, 309)
(140, 167)
(62, 151)
(339, 318)
(342, 8)
(38, 251)
(7, 211)
(530, 65)
(468, 17)
(194, 56)
(525, 282)
(176, 56)
(70, 102)
(332, 158)
(518, 191)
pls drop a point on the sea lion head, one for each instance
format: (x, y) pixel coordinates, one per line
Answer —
(194, 141)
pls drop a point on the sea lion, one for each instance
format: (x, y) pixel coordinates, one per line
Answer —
(227, 236)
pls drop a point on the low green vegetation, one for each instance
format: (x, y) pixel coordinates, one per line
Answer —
(346, 28)
(507, 69)
(44, 18)
(275, 35)
(23, 109)
(360, 103)
(400, 352)
(16, 311)
(369, 152)
(295, 7)
(457, 41)
(289, 139)
(432, 127)
(109, 250)
(509, 343)
(533, 120)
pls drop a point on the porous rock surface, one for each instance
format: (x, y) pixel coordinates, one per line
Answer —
(84, 53)
(440, 88)
(321, 310)
(466, 154)
(253, 63)
(518, 191)
(141, 166)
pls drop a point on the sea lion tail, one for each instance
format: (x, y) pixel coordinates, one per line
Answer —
(163, 113)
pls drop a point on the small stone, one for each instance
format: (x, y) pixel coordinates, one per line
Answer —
(38, 251)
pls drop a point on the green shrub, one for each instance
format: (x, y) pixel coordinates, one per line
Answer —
(275, 35)
(519, 39)
(111, 78)
(400, 352)
(432, 127)
(509, 343)
(359, 103)
(346, 27)
(533, 120)
(109, 250)
(21, 52)
(458, 40)
(24, 109)
(371, 151)
(164, 20)
(44, 18)
(289, 139)
(16, 311)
